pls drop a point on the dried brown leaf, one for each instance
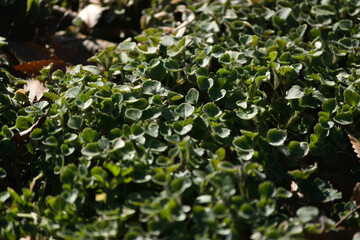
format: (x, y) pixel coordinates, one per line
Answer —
(91, 14)
(35, 89)
(355, 144)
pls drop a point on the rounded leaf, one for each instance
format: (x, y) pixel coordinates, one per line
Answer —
(211, 110)
(185, 110)
(151, 87)
(351, 97)
(345, 24)
(219, 210)
(217, 51)
(295, 92)
(133, 114)
(37, 134)
(204, 83)
(89, 135)
(276, 137)
(298, 149)
(192, 96)
(267, 189)
(68, 174)
(75, 122)
(343, 118)
(90, 150)
(127, 46)
(171, 65)
(329, 105)
(307, 214)
(72, 92)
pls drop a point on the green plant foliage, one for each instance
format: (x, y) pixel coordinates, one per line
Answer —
(220, 120)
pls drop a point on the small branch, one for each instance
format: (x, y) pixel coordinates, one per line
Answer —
(347, 215)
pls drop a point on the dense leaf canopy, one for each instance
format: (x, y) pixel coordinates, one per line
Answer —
(219, 120)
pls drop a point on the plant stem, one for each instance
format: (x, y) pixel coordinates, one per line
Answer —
(346, 216)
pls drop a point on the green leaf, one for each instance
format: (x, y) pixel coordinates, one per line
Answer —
(221, 153)
(225, 59)
(3, 41)
(72, 92)
(4, 196)
(7, 132)
(248, 114)
(211, 110)
(303, 173)
(92, 69)
(22, 123)
(284, 13)
(32, 8)
(51, 96)
(75, 122)
(246, 211)
(346, 24)
(216, 94)
(136, 130)
(219, 210)
(283, 193)
(329, 105)
(2, 173)
(276, 137)
(158, 72)
(267, 190)
(295, 92)
(69, 137)
(99, 174)
(51, 141)
(307, 214)
(221, 131)
(17, 199)
(133, 114)
(153, 63)
(243, 143)
(204, 82)
(192, 96)
(343, 118)
(127, 46)
(37, 134)
(90, 150)
(151, 87)
(217, 51)
(68, 174)
(298, 149)
(171, 65)
(182, 130)
(66, 150)
(89, 135)
(185, 110)
(352, 98)
(117, 144)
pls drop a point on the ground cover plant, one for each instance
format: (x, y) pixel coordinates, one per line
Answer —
(218, 120)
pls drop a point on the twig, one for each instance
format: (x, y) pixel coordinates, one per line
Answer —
(345, 217)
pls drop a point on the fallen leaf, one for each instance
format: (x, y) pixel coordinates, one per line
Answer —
(294, 187)
(91, 14)
(355, 144)
(33, 68)
(35, 89)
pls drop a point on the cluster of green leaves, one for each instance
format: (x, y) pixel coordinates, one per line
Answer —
(214, 129)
